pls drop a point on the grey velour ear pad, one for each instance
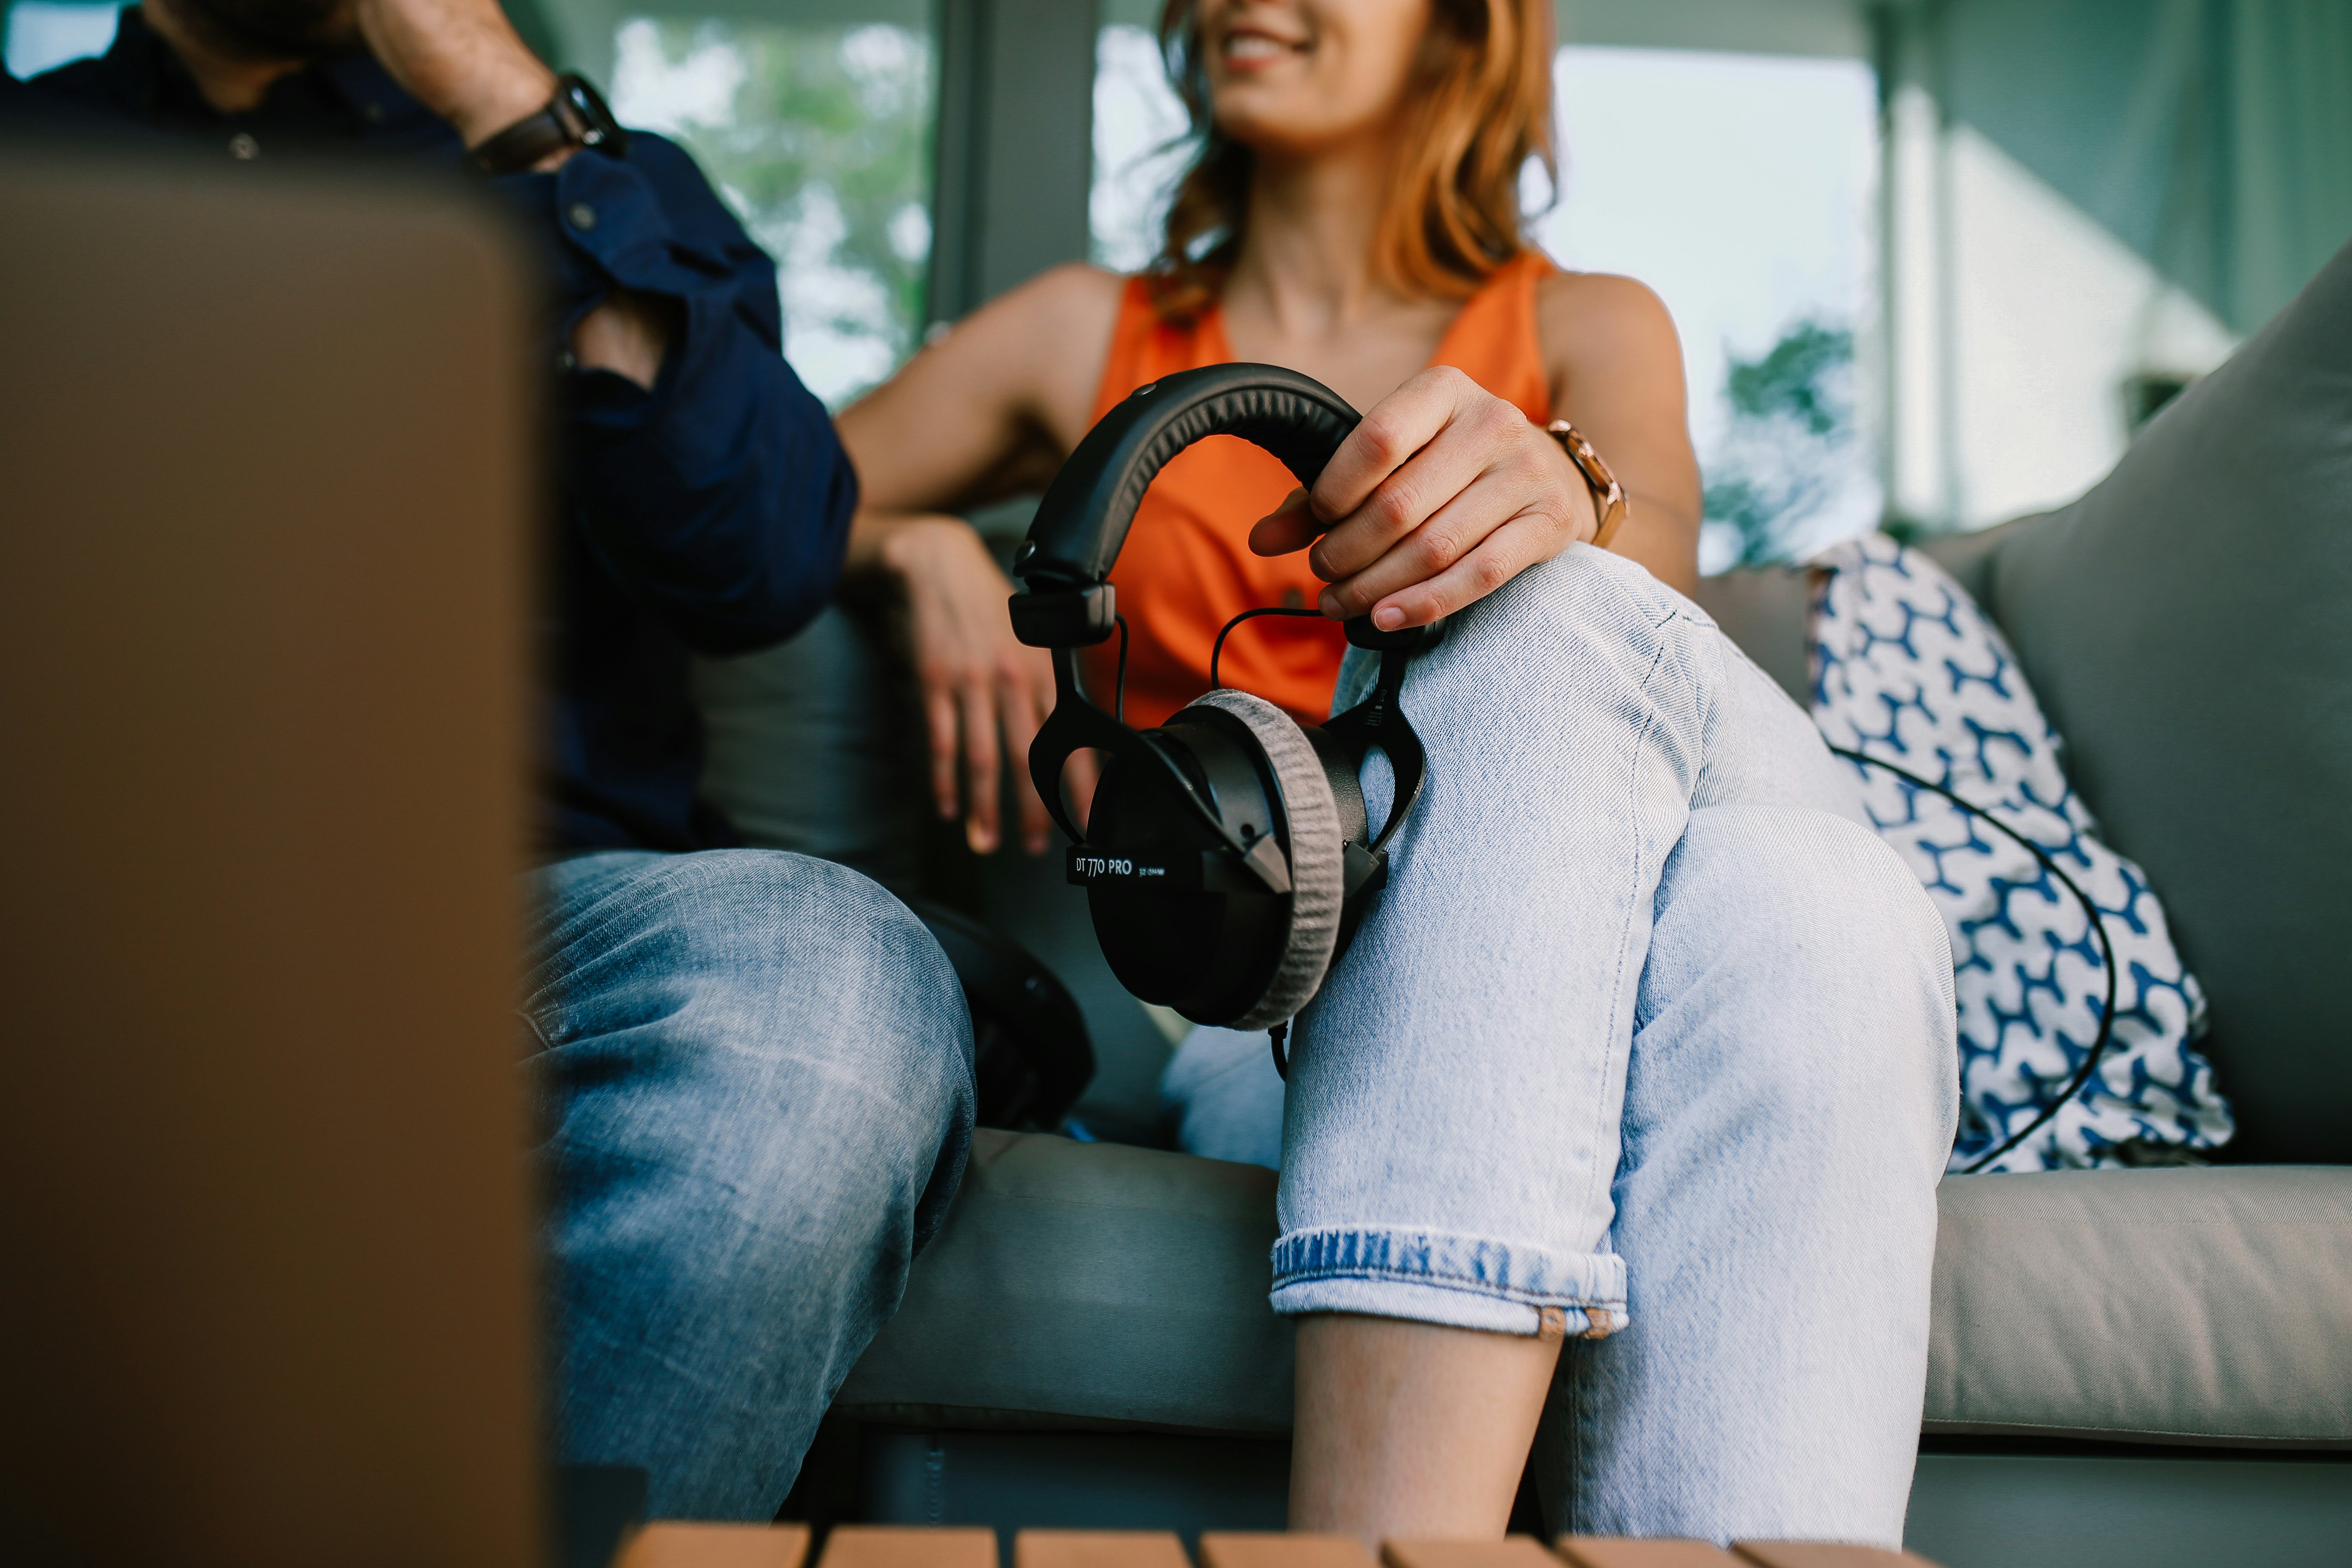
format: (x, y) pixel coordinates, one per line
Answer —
(1316, 857)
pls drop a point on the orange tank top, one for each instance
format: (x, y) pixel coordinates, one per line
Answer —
(1187, 569)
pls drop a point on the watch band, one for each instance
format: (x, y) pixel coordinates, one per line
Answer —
(1608, 496)
(575, 117)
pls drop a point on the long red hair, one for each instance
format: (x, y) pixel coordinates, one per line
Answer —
(1480, 108)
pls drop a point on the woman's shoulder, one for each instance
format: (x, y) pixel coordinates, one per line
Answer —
(1072, 295)
(1597, 309)
(1040, 345)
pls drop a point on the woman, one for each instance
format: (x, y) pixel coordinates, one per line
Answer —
(1324, 255)
(1643, 1008)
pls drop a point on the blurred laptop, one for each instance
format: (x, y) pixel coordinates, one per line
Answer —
(267, 1277)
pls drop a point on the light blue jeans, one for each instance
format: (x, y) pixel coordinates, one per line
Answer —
(1648, 1030)
(759, 1077)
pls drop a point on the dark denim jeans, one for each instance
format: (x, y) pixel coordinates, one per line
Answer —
(759, 1068)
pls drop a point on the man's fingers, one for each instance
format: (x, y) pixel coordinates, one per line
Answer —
(1399, 425)
(980, 761)
(1288, 527)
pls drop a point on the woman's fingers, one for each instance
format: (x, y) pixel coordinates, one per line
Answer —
(1026, 704)
(1399, 424)
(1499, 557)
(1518, 485)
(939, 719)
(1417, 509)
(980, 761)
(1413, 549)
(1288, 527)
(1081, 775)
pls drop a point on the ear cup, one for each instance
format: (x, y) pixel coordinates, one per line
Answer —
(1316, 857)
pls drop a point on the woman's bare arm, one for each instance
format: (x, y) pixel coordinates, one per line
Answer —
(991, 408)
(987, 411)
(1616, 370)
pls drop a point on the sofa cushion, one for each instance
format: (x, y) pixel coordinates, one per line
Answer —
(1081, 1285)
(2184, 624)
(1089, 1284)
(2182, 1306)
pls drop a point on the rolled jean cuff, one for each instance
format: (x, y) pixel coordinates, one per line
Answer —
(1458, 1281)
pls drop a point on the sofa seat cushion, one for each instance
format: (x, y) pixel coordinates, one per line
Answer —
(2182, 1306)
(1079, 1285)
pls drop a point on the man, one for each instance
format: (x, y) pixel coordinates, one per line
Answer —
(758, 1065)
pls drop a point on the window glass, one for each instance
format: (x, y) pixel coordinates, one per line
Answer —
(818, 134)
(1142, 142)
(1741, 188)
(43, 35)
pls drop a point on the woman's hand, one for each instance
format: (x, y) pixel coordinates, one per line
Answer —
(984, 693)
(1443, 494)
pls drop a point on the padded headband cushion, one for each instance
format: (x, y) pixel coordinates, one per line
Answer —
(1083, 518)
(1316, 857)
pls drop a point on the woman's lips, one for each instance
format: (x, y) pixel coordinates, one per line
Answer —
(1251, 49)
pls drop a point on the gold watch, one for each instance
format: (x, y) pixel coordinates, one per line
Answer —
(1608, 495)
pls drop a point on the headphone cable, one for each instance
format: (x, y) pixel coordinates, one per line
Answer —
(2075, 1085)
(1217, 648)
(1118, 690)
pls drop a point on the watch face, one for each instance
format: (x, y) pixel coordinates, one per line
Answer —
(596, 127)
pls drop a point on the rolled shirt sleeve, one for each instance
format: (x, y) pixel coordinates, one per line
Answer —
(720, 498)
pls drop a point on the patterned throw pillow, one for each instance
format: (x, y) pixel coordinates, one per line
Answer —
(1907, 669)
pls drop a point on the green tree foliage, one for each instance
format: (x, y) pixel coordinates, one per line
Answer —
(1789, 444)
(824, 149)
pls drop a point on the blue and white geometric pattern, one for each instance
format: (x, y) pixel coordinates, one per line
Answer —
(1906, 667)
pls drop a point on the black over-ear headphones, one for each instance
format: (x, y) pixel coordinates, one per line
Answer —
(1228, 858)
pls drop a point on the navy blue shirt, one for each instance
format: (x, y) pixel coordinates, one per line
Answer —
(707, 515)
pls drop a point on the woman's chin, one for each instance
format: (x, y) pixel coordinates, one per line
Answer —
(1283, 140)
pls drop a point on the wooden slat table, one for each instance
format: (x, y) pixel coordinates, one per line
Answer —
(675, 1545)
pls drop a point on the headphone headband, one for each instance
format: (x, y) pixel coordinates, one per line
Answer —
(1082, 521)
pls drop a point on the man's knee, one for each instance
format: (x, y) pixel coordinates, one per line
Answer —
(769, 998)
(844, 972)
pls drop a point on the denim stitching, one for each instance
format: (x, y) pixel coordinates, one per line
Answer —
(1595, 1179)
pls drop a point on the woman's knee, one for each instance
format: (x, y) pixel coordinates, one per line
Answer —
(1833, 963)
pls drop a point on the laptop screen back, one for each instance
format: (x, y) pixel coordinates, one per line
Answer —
(264, 1192)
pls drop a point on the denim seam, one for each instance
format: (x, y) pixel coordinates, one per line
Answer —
(1597, 1181)
(1463, 1283)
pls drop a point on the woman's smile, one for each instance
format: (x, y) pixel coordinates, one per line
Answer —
(1252, 46)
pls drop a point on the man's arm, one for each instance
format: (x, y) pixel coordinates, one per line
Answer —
(711, 479)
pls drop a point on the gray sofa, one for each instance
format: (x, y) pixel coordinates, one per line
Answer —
(2151, 1365)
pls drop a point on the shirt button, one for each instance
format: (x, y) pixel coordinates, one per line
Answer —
(1292, 599)
(243, 148)
(583, 215)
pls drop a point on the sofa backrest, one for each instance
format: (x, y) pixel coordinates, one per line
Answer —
(2188, 626)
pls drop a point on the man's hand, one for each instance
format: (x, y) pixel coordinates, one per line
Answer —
(463, 61)
(1443, 493)
(460, 59)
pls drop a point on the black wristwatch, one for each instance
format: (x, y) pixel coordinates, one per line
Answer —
(575, 117)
